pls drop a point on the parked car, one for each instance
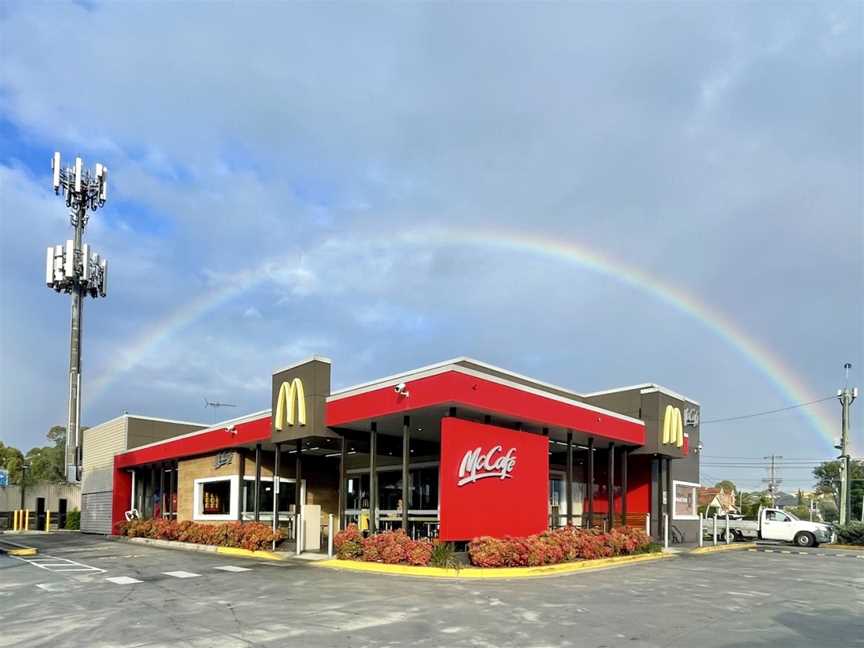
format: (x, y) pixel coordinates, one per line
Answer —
(774, 524)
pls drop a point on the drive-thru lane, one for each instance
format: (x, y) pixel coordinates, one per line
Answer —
(158, 597)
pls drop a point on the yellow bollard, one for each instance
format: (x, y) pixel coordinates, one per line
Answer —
(26, 519)
(47, 521)
(15, 520)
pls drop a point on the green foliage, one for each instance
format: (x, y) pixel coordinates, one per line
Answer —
(828, 480)
(726, 485)
(45, 463)
(852, 533)
(444, 556)
(11, 459)
(752, 502)
(73, 520)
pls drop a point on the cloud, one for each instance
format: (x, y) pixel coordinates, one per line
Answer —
(282, 168)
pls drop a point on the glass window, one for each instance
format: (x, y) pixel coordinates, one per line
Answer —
(216, 497)
(424, 488)
(685, 501)
(265, 496)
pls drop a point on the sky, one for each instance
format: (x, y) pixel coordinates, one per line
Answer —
(595, 195)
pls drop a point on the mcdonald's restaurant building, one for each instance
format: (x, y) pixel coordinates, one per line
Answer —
(452, 450)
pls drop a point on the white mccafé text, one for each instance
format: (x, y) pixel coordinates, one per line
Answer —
(476, 465)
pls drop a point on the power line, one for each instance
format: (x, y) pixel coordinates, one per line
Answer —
(766, 412)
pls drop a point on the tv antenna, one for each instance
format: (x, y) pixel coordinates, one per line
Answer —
(215, 405)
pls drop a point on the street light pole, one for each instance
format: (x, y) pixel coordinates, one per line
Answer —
(74, 269)
(846, 396)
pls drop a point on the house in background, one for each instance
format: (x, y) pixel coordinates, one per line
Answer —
(717, 501)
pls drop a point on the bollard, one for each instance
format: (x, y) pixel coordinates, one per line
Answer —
(330, 536)
(648, 524)
(715, 529)
(26, 519)
(727, 530)
(666, 530)
(701, 539)
(47, 521)
(15, 520)
(298, 532)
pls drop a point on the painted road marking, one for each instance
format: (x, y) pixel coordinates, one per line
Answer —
(55, 564)
(123, 580)
(181, 574)
(232, 568)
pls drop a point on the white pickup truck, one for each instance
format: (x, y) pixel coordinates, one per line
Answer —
(774, 524)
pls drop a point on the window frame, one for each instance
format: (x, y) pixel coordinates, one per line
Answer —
(233, 500)
(694, 487)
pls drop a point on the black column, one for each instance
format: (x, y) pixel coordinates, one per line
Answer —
(343, 451)
(660, 491)
(406, 457)
(241, 471)
(277, 452)
(172, 490)
(610, 485)
(256, 498)
(151, 501)
(569, 480)
(162, 490)
(373, 477)
(589, 484)
(625, 458)
(670, 497)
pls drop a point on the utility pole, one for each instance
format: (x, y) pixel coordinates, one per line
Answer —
(773, 481)
(846, 396)
(76, 270)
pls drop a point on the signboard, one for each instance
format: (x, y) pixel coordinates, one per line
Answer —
(4, 477)
(493, 481)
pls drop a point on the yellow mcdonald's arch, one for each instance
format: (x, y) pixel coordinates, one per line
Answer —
(294, 397)
(673, 426)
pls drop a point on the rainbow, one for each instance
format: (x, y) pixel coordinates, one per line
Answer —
(758, 355)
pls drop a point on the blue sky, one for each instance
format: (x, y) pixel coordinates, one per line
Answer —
(293, 148)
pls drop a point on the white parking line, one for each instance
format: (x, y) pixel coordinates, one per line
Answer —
(123, 580)
(55, 564)
(181, 574)
(232, 568)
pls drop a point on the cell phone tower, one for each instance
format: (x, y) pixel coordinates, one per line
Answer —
(75, 269)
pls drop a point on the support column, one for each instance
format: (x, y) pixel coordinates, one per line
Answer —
(610, 485)
(625, 459)
(589, 486)
(276, 485)
(172, 490)
(151, 501)
(256, 498)
(660, 491)
(569, 479)
(373, 477)
(162, 490)
(241, 471)
(299, 520)
(406, 458)
(670, 499)
(343, 452)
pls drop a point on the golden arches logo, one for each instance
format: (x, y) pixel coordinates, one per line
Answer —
(290, 405)
(673, 427)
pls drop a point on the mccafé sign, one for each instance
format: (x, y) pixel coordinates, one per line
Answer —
(492, 481)
(477, 465)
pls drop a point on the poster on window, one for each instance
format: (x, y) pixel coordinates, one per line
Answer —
(685, 501)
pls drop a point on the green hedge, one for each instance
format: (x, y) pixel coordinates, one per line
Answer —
(852, 533)
(73, 519)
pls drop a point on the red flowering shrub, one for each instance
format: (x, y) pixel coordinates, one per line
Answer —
(552, 547)
(390, 547)
(248, 535)
(348, 543)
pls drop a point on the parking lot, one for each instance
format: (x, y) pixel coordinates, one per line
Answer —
(88, 591)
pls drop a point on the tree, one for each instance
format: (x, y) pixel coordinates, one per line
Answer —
(827, 477)
(11, 460)
(726, 485)
(45, 464)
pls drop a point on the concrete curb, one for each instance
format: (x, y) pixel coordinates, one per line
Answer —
(15, 549)
(724, 547)
(844, 547)
(488, 572)
(191, 546)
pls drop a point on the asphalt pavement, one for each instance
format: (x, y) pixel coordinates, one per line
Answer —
(89, 591)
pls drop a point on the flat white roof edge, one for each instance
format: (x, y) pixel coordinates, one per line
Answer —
(644, 388)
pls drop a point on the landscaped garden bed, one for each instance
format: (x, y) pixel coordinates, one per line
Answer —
(253, 536)
(567, 544)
